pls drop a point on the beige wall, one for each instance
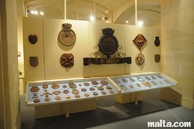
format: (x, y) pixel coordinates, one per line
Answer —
(88, 34)
(177, 46)
(10, 116)
(20, 14)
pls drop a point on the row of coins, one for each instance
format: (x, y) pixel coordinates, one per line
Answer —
(74, 91)
(138, 78)
(47, 98)
(148, 84)
(71, 85)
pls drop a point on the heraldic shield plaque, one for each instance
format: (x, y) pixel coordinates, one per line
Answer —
(32, 38)
(108, 44)
(34, 61)
(157, 58)
(107, 51)
(67, 36)
(67, 60)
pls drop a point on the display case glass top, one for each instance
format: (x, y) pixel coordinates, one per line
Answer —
(141, 82)
(59, 91)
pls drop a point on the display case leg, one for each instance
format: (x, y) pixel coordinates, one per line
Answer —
(136, 98)
(67, 107)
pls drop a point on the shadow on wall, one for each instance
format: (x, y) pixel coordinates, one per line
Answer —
(170, 95)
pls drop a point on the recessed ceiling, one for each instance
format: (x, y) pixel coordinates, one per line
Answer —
(148, 12)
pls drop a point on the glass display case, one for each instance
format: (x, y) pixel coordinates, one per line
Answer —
(59, 91)
(141, 82)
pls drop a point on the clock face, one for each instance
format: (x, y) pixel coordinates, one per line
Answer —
(108, 45)
(67, 37)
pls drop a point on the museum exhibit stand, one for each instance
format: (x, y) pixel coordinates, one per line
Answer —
(65, 96)
(69, 64)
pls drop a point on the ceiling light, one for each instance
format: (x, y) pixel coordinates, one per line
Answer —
(41, 13)
(35, 12)
(140, 23)
(92, 18)
(126, 21)
(32, 11)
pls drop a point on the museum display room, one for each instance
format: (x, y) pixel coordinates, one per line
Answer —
(68, 62)
(66, 66)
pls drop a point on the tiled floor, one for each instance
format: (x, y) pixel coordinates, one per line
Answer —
(112, 115)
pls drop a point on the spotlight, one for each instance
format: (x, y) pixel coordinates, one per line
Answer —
(140, 23)
(41, 13)
(36, 12)
(92, 18)
(32, 12)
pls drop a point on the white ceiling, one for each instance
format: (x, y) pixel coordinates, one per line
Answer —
(116, 11)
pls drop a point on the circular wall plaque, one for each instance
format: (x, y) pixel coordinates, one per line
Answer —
(67, 36)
